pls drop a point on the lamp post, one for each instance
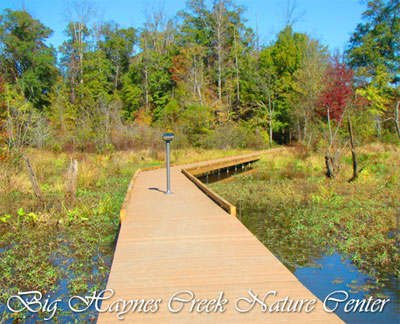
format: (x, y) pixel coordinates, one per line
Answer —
(168, 137)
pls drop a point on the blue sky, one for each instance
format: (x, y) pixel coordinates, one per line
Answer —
(330, 21)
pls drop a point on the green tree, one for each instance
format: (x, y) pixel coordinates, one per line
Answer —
(377, 92)
(97, 79)
(376, 41)
(308, 83)
(213, 43)
(26, 61)
(3, 114)
(157, 46)
(131, 92)
(72, 56)
(117, 44)
(278, 65)
(191, 64)
(62, 113)
(188, 72)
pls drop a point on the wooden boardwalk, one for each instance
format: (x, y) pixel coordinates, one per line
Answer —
(185, 242)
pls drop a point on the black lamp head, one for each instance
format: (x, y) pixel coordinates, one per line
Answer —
(168, 137)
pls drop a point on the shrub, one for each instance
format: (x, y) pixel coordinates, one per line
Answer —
(232, 136)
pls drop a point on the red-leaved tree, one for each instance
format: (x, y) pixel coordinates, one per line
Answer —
(333, 104)
(338, 91)
(337, 95)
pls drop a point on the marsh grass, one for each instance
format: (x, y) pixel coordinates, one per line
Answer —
(299, 214)
(66, 243)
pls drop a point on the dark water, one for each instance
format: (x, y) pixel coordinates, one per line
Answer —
(43, 308)
(335, 273)
(44, 305)
(225, 173)
(324, 274)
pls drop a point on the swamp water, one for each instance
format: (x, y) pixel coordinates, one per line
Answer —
(95, 274)
(333, 272)
(322, 270)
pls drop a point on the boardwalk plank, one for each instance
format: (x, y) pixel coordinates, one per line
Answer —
(184, 241)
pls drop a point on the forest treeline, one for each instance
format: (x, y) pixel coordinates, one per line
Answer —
(203, 74)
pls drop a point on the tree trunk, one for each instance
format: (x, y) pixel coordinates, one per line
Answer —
(116, 77)
(72, 177)
(237, 69)
(332, 164)
(329, 167)
(73, 90)
(353, 150)
(299, 129)
(330, 128)
(270, 133)
(32, 177)
(219, 74)
(378, 128)
(396, 119)
(146, 90)
(257, 45)
(271, 109)
(219, 29)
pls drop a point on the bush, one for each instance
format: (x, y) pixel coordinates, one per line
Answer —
(232, 136)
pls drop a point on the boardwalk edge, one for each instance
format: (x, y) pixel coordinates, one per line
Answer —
(224, 204)
(122, 212)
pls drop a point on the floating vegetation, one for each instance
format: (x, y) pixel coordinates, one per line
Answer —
(344, 235)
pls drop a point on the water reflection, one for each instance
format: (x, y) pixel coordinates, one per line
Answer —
(333, 273)
(226, 174)
(320, 268)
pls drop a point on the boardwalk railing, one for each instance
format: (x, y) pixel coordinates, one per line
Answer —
(192, 172)
(224, 204)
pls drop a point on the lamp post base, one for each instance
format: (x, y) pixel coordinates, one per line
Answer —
(168, 192)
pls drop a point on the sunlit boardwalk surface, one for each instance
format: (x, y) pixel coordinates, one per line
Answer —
(185, 242)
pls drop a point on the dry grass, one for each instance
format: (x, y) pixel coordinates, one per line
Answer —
(93, 170)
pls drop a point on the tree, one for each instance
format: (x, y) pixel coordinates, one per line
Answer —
(308, 82)
(189, 67)
(336, 97)
(62, 113)
(241, 42)
(154, 61)
(20, 119)
(377, 94)
(76, 46)
(117, 44)
(226, 24)
(376, 42)
(278, 64)
(214, 45)
(334, 101)
(3, 109)
(219, 28)
(269, 109)
(396, 119)
(195, 27)
(132, 92)
(187, 70)
(26, 61)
